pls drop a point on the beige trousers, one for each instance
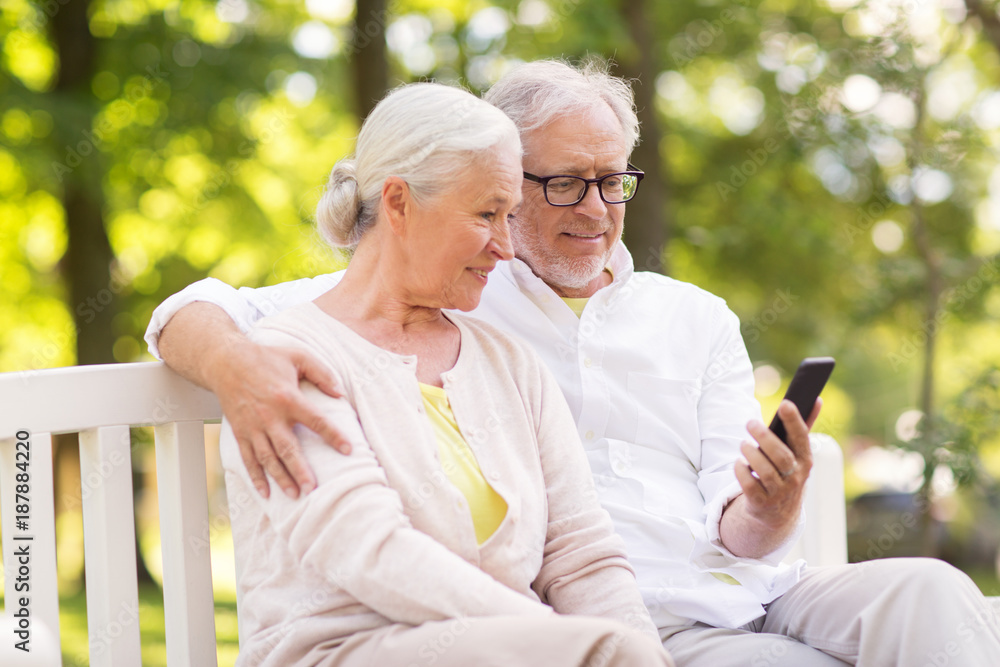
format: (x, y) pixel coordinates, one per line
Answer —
(899, 612)
(499, 641)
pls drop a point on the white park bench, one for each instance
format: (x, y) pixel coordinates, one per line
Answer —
(101, 403)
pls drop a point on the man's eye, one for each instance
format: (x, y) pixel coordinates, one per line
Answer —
(613, 182)
(562, 183)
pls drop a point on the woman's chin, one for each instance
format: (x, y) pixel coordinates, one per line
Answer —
(467, 302)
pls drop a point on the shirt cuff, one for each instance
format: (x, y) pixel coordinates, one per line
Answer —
(714, 510)
(209, 290)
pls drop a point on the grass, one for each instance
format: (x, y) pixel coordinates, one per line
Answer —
(73, 628)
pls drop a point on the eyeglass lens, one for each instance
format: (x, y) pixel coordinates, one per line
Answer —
(616, 188)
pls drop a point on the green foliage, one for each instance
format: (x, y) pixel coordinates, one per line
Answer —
(805, 145)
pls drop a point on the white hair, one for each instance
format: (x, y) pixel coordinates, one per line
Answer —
(424, 133)
(536, 93)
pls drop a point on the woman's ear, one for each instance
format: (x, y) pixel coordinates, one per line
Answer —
(397, 203)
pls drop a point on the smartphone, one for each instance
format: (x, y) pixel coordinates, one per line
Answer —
(804, 389)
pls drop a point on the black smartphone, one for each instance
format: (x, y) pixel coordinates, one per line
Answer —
(804, 389)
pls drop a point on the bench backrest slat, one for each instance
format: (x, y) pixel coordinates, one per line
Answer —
(185, 538)
(108, 545)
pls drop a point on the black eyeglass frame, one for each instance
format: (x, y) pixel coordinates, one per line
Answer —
(544, 181)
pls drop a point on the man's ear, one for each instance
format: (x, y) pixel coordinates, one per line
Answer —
(397, 203)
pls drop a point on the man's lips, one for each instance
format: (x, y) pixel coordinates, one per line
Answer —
(583, 235)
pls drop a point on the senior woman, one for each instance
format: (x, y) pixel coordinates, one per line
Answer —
(464, 528)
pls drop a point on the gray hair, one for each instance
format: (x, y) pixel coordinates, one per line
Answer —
(424, 133)
(536, 93)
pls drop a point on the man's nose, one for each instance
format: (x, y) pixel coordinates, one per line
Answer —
(592, 205)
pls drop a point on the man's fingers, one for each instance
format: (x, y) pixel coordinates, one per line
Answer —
(760, 464)
(304, 413)
(288, 449)
(315, 372)
(267, 458)
(254, 469)
(778, 453)
(798, 432)
(752, 487)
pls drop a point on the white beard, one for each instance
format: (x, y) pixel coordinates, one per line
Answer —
(555, 269)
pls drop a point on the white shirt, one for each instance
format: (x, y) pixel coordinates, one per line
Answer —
(659, 382)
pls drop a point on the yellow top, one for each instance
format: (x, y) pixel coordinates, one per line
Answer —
(459, 463)
(576, 305)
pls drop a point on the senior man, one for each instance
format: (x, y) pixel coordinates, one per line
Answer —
(661, 386)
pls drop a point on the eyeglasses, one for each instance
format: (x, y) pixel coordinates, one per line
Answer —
(566, 190)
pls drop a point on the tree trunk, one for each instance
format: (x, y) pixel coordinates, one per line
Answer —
(87, 265)
(988, 17)
(648, 223)
(370, 63)
(932, 304)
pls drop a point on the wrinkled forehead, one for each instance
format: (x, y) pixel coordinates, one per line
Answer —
(579, 139)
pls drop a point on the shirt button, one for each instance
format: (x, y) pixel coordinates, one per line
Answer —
(586, 362)
(619, 468)
(589, 435)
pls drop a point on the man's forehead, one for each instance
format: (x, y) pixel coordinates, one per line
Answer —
(578, 157)
(583, 140)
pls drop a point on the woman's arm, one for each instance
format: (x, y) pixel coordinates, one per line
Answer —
(352, 528)
(584, 569)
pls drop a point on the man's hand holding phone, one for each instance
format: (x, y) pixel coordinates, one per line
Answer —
(776, 466)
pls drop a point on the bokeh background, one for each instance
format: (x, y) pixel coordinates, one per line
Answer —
(830, 168)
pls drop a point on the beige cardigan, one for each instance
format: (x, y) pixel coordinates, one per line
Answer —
(385, 538)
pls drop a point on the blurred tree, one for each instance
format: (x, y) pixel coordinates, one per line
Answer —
(649, 217)
(369, 60)
(829, 168)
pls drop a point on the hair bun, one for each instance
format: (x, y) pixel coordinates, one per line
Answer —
(338, 208)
